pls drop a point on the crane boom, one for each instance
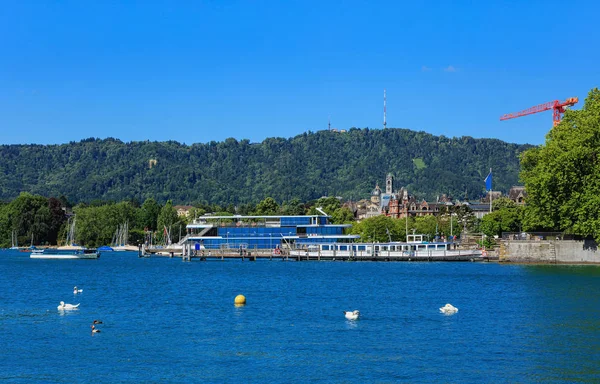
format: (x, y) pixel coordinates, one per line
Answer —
(557, 106)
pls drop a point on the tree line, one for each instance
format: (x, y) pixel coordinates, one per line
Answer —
(38, 220)
(306, 167)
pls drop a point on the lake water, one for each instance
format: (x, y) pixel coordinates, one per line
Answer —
(165, 320)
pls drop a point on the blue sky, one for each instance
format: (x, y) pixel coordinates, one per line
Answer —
(199, 71)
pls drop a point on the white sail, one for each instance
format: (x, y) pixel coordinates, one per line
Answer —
(70, 242)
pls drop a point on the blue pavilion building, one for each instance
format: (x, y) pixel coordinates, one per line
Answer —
(264, 232)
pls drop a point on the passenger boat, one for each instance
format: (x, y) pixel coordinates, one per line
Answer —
(414, 249)
(72, 253)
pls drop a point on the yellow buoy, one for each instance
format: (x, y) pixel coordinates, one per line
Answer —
(240, 300)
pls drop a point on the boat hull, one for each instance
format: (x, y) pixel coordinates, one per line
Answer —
(125, 248)
(65, 254)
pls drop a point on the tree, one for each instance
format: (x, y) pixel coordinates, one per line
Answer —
(293, 208)
(465, 217)
(503, 202)
(562, 176)
(427, 225)
(57, 218)
(149, 214)
(502, 220)
(378, 229)
(168, 220)
(267, 207)
(328, 204)
(342, 215)
(26, 215)
(194, 213)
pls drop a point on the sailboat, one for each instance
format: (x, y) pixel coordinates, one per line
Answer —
(68, 251)
(13, 240)
(31, 247)
(70, 241)
(121, 239)
(170, 249)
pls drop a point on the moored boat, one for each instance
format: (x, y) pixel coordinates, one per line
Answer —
(54, 253)
(414, 249)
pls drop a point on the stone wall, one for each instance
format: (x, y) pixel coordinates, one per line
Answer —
(549, 251)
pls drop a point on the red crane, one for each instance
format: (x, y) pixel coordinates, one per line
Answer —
(557, 106)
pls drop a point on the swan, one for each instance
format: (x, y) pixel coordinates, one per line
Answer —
(94, 330)
(76, 291)
(351, 315)
(64, 306)
(448, 309)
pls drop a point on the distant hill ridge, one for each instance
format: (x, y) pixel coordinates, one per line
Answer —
(307, 166)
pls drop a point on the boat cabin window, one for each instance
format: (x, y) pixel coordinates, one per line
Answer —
(325, 247)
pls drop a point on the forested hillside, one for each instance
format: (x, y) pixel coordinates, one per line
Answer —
(307, 166)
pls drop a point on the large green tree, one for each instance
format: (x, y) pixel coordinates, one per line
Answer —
(27, 216)
(148, 214)
(379, 229)
(506, 216)
(562, 176)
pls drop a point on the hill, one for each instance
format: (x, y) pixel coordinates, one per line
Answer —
(307, 166)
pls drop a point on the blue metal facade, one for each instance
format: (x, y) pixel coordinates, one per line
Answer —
(301, 230)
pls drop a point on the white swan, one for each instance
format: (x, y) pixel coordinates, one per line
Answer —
(352, 315)
(67, 307)
(448, 309)
(76, 291)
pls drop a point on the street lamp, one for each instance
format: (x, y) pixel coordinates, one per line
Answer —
(406, 210)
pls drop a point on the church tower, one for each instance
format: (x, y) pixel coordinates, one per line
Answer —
(389, 184)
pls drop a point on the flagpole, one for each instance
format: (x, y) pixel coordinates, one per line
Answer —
(490, 192)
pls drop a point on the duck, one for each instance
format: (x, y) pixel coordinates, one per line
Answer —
(64, 306)
(76, 291)
(95, 330)
(97, 322)
(352, 315)
(448, 309)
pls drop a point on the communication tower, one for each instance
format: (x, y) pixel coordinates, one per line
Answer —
(384, 111)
